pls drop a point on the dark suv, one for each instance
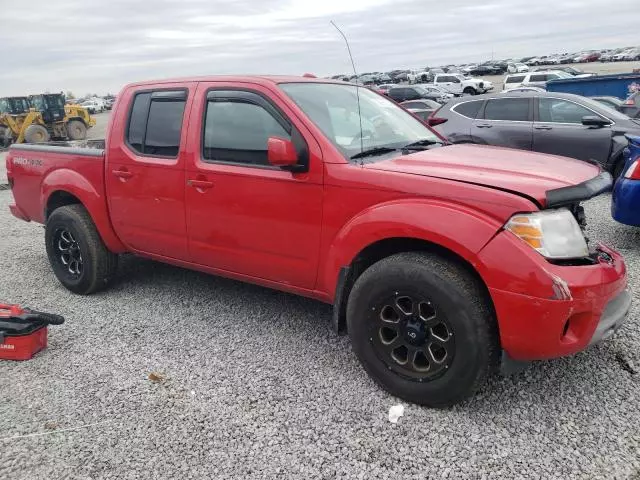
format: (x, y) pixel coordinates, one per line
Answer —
(546, 122)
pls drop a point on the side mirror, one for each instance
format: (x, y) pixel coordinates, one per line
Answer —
(593, 121)
(281, 152)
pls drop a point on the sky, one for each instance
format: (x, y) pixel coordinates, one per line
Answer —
(97, 46)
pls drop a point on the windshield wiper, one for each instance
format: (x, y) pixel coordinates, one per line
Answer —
(373, 151)
(422, 144)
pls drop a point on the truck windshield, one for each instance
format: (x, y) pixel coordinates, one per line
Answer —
(334, 109)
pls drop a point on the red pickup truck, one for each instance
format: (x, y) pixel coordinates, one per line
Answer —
(439, 259)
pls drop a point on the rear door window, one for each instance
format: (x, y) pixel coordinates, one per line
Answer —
(155, 123)
(507, 109)
(138, 121)
(468, 109)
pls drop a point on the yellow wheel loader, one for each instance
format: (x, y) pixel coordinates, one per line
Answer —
(46, 118)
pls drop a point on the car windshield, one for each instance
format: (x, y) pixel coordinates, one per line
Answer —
(334, 109)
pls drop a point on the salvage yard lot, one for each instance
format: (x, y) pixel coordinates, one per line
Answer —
(252, 383)
(595, 67)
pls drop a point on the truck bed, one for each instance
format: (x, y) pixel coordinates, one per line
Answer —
(32, 169)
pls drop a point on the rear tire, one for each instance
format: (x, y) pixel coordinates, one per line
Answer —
(79, 258)
(36, 134)
(76, 130)
(436, 362)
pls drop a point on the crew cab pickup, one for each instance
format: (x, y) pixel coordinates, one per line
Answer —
(458, 84)
(440, 260)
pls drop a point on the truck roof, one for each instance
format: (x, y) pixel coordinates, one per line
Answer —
(256, 79)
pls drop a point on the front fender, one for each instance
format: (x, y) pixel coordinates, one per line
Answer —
(69, 181)
(459, 229)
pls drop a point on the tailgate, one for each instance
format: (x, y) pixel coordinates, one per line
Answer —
(36, 171)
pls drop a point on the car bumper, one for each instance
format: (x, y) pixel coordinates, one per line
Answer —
(546, 310)
(625, 201)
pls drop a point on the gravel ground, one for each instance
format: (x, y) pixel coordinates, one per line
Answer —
(253, 384)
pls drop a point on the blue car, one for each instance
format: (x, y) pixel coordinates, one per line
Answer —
(625, 204)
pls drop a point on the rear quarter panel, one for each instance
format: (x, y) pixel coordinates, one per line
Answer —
(39, 174)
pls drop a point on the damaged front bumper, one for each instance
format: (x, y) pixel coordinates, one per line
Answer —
(545, 310)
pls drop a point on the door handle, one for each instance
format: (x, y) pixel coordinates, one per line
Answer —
(200, 183)
(123, 174)
(543, 127)
(484, 125)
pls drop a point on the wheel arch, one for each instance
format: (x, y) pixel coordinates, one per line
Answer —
(66, 187)
(364, 242)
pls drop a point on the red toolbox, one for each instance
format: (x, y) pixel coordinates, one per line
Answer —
(23, 332)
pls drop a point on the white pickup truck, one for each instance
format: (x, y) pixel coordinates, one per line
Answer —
(458, 84)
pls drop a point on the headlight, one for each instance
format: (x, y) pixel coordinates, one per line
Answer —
(554, 234)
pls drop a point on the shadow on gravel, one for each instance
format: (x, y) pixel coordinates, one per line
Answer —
(197, 288)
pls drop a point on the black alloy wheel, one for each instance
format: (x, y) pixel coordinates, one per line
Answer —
(412, 337)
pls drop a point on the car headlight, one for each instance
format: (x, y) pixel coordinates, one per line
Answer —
(555, 234)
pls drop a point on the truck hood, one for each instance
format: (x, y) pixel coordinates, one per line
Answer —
(524, 173)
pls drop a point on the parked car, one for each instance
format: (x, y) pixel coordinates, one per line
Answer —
(566, 58)
(611, 102)
(631, 55)
(435, 93)
(402, 93)
(458, 84)
(92, 106)
(575, 72)
(607, 56)
(631, 106)
(627, 55)
(517, 68)
(421, 108)
(533, 79)
(556, 123)
(587, 57)
(625, 201)
(483, 70)
(420, 76)
(448, 82)
(385, 87)
(438, 259)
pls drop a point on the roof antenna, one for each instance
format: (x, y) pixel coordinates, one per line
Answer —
(357, 86)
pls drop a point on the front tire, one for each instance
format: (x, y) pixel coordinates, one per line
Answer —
(77, 254)
(36, 134)
(423, 328)
(469, 91)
